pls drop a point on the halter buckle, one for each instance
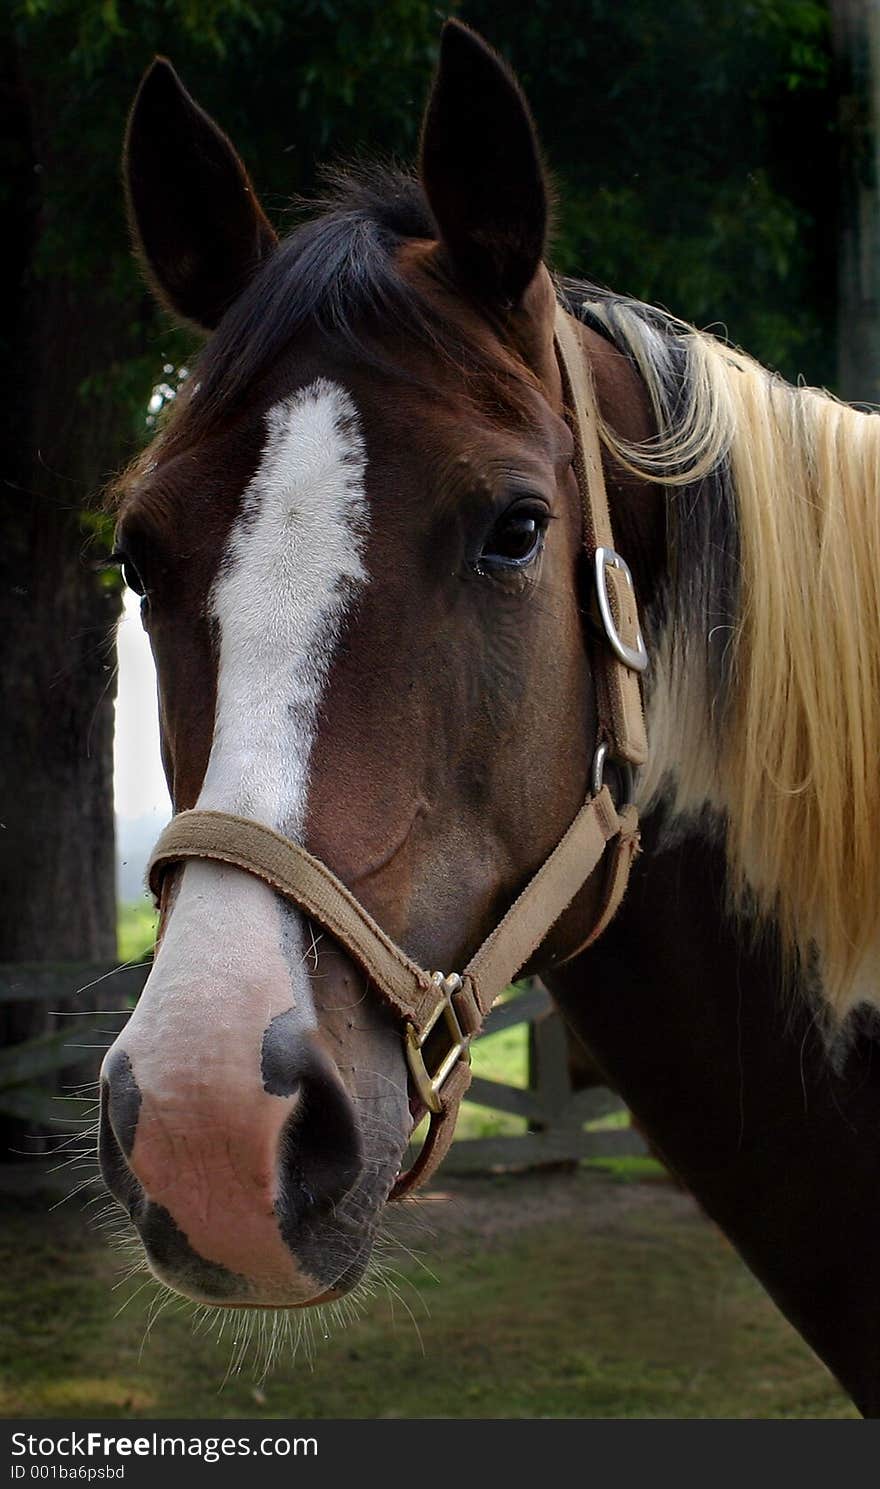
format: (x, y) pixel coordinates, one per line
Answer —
(601, 760)
(430, 1083)
(633, 657)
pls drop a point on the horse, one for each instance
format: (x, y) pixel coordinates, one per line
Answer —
(359, 542)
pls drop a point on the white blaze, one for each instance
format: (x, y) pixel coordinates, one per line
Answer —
(294, 559)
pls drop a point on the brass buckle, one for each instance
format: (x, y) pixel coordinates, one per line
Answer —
(428, 1084)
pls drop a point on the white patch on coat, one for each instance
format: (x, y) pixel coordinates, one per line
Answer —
(682, 766)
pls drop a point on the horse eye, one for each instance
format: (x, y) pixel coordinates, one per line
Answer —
(130, 575)
(516, 538)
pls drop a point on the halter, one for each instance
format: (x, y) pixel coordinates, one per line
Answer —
(442, 1012)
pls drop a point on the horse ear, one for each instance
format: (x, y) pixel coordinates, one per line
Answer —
(481, 170)
(195, 219)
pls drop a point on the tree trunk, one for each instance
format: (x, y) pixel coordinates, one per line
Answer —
(57, 615)
(856, 33)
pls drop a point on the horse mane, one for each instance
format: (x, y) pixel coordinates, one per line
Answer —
(765, 700)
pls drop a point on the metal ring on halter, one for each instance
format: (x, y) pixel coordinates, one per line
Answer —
(633, 657)
(624, 770)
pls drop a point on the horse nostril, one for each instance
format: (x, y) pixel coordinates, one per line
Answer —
(121, 1095)
(120, 1108)
(113, 1161)
(320, 1154)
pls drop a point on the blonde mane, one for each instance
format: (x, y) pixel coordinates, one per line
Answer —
(782, 738)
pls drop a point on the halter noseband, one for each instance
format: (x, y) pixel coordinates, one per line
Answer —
(442, 1013)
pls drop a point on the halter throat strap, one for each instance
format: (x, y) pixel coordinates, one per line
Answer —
(440, 1012)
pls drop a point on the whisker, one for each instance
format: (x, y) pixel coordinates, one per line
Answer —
(123, 967)
(88, 1013)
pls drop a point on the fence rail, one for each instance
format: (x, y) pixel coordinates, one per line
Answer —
(31, 1069)
(557, 1116)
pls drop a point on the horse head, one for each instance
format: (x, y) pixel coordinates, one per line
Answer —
(358, 542)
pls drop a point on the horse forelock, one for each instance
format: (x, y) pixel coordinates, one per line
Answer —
(347, 273)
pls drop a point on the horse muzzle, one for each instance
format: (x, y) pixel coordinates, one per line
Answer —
(252, 1171)
(238, 1198)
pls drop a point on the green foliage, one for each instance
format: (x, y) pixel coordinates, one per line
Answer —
(293, 81)
(136, 925)
(694, 154)
(691, 143)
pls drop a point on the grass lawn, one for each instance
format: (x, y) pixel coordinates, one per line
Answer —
(551, 1295)
(498, 1057)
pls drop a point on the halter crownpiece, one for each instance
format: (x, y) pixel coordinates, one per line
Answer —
(440, 1012)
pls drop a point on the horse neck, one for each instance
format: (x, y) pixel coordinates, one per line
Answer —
(733, 1086)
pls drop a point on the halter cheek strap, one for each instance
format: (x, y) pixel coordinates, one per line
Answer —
(442, 1013)
(622, 657)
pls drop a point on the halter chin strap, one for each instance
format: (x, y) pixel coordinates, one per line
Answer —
(440, 1012)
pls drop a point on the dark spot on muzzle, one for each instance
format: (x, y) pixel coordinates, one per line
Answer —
(168, 1248)
(320, 1153)
(280, 1071)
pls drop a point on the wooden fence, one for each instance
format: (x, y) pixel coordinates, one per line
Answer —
(34, 1072)
(556, 1115)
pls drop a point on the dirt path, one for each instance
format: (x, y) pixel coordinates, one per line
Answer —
(453, 1213)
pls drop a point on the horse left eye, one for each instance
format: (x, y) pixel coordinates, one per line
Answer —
(515, 540)
(130, 575)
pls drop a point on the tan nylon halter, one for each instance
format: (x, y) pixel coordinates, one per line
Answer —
(447, 1011)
